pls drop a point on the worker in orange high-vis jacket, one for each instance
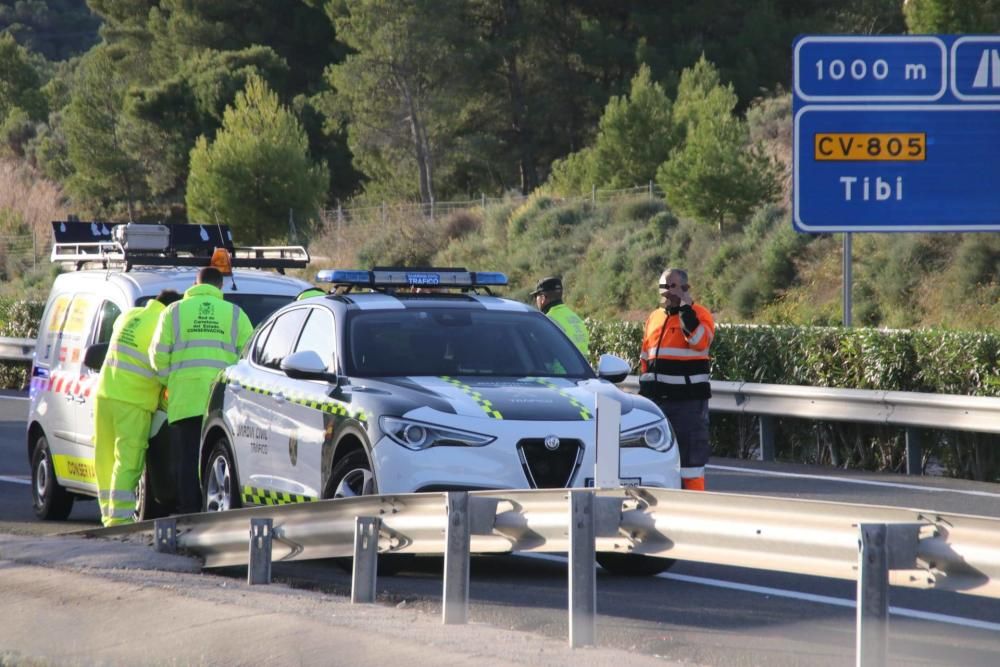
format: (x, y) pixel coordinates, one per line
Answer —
(675, 370)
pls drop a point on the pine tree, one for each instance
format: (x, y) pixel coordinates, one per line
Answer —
(256, 170)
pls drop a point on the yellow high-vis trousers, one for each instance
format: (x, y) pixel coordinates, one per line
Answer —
(121, 436)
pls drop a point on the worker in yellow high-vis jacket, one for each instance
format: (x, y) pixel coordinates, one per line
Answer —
(127, 395)
(195, 339)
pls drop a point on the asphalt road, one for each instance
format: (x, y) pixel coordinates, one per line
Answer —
(694, 613)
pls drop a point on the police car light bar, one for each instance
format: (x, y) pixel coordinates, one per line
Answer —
(401, 277)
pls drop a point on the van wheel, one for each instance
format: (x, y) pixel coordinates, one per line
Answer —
(219, 484)
(51, 501)
(146, 507)
(633, 565)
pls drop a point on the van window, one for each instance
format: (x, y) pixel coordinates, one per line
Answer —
(258, 307)
(52, 322)
(76, 330)
(106, 322)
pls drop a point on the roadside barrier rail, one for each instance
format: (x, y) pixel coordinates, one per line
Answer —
(876, 546)
(909, 410)
(17, 349)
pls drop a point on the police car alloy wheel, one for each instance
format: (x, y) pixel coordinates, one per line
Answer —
(352, 476)
(221, 488)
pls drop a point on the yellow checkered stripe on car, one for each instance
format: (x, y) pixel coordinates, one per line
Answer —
(253, 495)
(483, 403)
(327, 405)
(585, 413)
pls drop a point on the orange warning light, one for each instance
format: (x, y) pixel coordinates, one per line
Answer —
(222, 261)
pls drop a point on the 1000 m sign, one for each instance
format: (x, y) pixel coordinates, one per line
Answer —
(896, 133)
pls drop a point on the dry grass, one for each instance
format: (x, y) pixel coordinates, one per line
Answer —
(31, 199)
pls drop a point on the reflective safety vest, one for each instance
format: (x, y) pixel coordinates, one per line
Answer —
(573, 325)
(127, 375)
(196, 338)
(674, 361)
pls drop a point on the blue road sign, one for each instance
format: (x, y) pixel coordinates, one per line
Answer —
(896, 134)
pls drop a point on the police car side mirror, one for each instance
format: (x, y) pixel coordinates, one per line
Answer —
(612, 368)
(93, 358)
(306, 365)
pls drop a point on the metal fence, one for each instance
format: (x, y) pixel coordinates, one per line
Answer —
(385, 213)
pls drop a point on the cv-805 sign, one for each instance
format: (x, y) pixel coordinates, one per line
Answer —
(896, 133)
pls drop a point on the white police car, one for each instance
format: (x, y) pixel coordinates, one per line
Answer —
(133, 265)
(397, 390)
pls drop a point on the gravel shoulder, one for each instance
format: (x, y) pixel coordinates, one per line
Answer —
(69, 600)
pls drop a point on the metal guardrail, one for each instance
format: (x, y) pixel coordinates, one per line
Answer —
(877, 546)
(909, 410)
(17, 349)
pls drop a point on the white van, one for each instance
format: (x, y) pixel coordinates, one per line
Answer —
(79, 314)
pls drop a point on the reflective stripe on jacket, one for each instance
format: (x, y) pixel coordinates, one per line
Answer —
(674, 362)
(573, 325)
(127, 375)
(196, 338)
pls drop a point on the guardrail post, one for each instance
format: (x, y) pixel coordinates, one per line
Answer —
(914, 454)
(455, 605)
(166, 535)
(365, 570)
(872, 632)
(766, 450)
(881, 547)
(582, 569)
(259, 563)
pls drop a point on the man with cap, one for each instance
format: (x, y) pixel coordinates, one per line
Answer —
(548, 296)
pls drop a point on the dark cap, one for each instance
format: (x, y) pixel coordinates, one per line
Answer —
(548, 284)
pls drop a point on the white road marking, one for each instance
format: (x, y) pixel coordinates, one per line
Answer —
(15, 480)
(848, 480)
(806, 597)
(826, 599)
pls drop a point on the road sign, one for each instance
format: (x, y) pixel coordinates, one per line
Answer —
(896, 133)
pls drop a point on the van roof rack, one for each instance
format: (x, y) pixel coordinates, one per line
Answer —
(103, 244)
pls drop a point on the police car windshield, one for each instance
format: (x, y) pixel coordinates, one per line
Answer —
(256, 306)
(450, 341)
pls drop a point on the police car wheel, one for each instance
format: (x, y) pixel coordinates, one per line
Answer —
(352, 476)
(633, 565)
(220, 486)
(50, 500)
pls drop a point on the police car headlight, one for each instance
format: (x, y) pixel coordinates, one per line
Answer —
(657, 436)
(419, 435)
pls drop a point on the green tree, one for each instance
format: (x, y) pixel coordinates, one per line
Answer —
(952, 16)
(57, 29)
(398, 89)
(635, 136)
(19, 82)
(716, 174)
(257, 169)
(100, 138)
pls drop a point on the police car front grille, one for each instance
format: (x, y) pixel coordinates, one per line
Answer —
(549, 469)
